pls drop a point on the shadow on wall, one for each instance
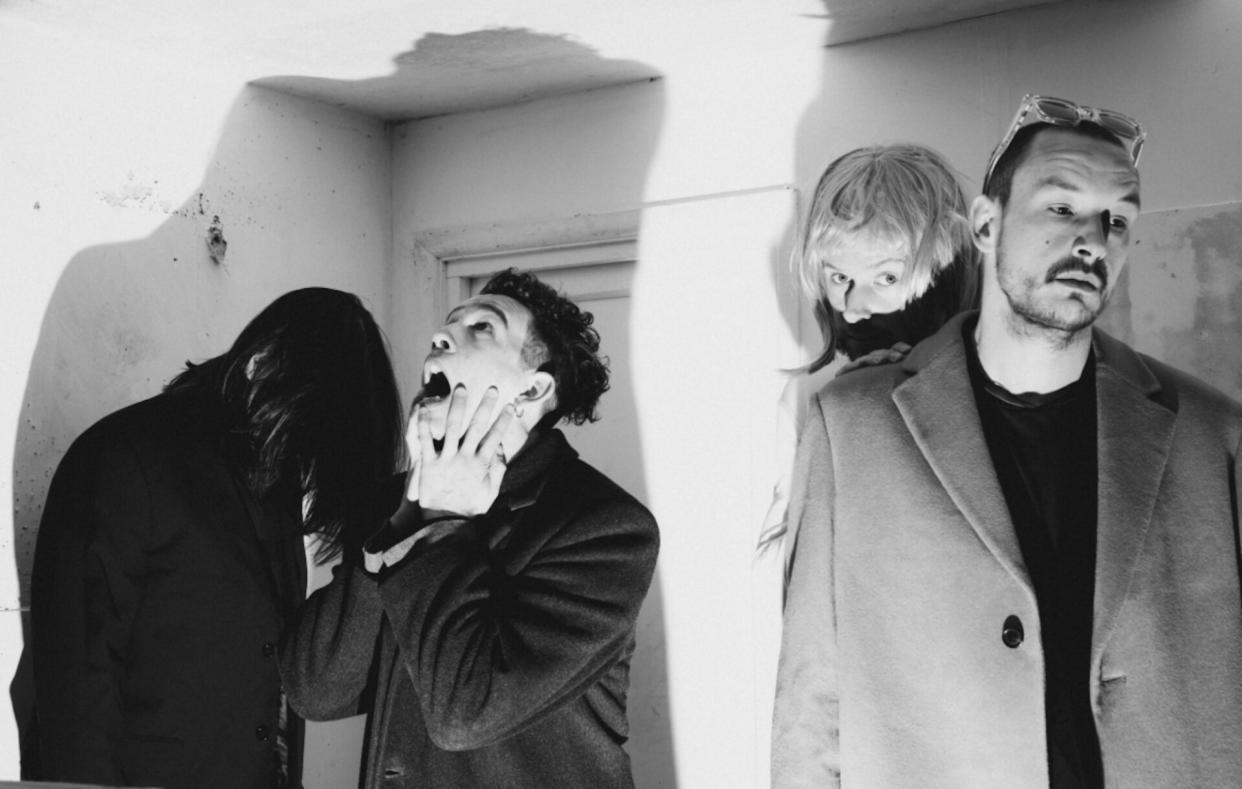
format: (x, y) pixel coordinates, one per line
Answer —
(295, 188)
(291, 190)
(446, 74)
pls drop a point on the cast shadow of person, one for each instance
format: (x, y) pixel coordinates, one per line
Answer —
(125, 317)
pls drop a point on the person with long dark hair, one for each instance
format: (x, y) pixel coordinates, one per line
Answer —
(170, 553)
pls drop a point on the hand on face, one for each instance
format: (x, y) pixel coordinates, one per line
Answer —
(878, 356)
(463, 476)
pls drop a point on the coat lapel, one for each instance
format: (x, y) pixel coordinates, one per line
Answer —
(938, 406)
(1136, 422)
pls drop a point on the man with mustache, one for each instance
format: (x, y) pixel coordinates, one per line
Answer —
(487, 627)
(1017, 561)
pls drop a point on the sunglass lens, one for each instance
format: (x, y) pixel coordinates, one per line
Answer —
(1058, 110)
(1119, 125)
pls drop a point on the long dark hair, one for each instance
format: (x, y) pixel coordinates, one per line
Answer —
(310, 406)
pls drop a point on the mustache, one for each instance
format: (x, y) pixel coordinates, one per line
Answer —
(1096, 268)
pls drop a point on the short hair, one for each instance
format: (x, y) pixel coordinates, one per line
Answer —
(999, 185)
(561, 342)
(903, 193)
(309, 405)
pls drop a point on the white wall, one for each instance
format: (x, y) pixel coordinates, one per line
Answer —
(742, 110)
(113, 171)
(114, 145)
(1173, 64)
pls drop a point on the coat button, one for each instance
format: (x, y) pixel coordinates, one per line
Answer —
(262, 733)
(1011, 632)
(269, 649)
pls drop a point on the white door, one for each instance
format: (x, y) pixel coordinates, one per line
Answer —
(599, 278)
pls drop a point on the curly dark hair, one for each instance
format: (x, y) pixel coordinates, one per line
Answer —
(561, 343)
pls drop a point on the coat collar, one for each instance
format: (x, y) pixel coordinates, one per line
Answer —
(938, 406)
(1135, 420)
(1135, 423)
(527, 474)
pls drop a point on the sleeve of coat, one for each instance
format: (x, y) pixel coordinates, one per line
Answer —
(489, 652)
(1237, 492)
(805, 741)
(326, 655)
(85, 591)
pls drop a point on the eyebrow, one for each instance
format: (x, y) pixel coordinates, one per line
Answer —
(896, 259)
(453, 314)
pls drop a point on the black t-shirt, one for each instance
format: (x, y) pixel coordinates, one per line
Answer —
(1043, 447)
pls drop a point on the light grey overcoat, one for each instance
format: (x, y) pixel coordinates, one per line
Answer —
(893, 671)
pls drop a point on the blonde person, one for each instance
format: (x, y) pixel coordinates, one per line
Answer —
(885, 258)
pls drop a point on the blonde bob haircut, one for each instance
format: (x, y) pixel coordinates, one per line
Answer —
(901, 194)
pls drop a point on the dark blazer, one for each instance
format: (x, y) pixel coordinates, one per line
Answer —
(900, 666)
(158, 593)
(500, 657)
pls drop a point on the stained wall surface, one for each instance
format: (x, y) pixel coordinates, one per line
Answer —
(726, 131)
(115, 170)
(1172, 65)
(109, 286)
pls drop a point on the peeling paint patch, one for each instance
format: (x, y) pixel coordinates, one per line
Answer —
(133, 194)
(1185, 292)
(216, 245)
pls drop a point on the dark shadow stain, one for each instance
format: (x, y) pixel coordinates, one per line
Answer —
(481, 69)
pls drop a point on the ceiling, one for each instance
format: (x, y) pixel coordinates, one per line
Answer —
(403, 59)
(854, 20)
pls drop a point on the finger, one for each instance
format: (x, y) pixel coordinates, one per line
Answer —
(491, 441)
(412, 444)
(412, 481)
(496, 475)
(455, 419)
(426, 445)
(481, 420)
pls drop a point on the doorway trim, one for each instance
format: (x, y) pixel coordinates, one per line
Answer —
(447, 258)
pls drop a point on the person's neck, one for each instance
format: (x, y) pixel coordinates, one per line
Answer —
(1024, 358)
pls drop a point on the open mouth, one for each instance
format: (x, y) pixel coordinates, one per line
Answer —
(436, 387)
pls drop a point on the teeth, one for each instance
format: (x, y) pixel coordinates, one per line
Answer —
(437, 385)
(428, 371)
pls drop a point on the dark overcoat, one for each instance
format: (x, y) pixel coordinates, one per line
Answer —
(497, 658)
(159, 589)
(896, 668)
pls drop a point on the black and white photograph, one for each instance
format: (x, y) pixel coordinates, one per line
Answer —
(698, 394)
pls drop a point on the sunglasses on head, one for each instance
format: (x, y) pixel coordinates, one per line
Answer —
(1060, 112)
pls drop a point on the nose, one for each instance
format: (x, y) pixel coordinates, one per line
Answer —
(1092, 242)
(857, 306)
(442, 341)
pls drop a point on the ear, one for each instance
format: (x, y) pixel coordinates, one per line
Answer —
(541, 393)
(985, 217)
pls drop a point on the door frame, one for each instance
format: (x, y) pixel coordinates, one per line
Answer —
(447, 258)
